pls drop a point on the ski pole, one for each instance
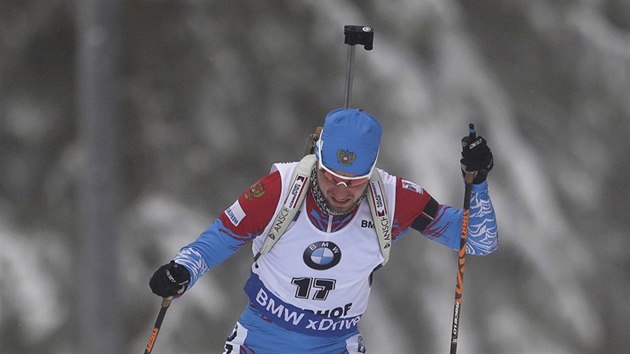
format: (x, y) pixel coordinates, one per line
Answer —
(459, 288)
(166, 302)
(363, 35)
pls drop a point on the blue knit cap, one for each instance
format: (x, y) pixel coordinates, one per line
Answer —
(349, 141)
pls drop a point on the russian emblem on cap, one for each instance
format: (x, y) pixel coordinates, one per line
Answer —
(345, 157)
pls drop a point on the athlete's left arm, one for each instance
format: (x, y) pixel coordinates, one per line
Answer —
(442, 223)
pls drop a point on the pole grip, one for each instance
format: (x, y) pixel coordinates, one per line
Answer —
(472, 134)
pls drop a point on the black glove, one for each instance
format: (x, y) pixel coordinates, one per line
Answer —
(169, 280)
(477, 157)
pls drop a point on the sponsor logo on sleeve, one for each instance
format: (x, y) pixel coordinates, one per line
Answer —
(412, 186)
(235, 213)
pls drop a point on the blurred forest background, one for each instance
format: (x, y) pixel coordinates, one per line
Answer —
(126, 127)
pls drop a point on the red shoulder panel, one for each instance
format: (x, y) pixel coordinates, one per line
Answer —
(411, 201)
(255, 207)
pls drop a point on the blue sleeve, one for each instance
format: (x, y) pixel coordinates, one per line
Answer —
(216, 244)
(483, 236)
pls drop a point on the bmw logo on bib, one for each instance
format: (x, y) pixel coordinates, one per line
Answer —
(322, 255)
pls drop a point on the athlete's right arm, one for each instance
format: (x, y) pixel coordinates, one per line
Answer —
(238, 224)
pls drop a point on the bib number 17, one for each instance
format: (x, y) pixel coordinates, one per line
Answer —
(318, 286)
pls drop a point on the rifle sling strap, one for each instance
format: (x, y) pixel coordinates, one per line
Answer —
(300, 182)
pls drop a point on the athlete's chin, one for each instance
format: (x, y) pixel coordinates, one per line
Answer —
(339, 210)
(340, 207)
